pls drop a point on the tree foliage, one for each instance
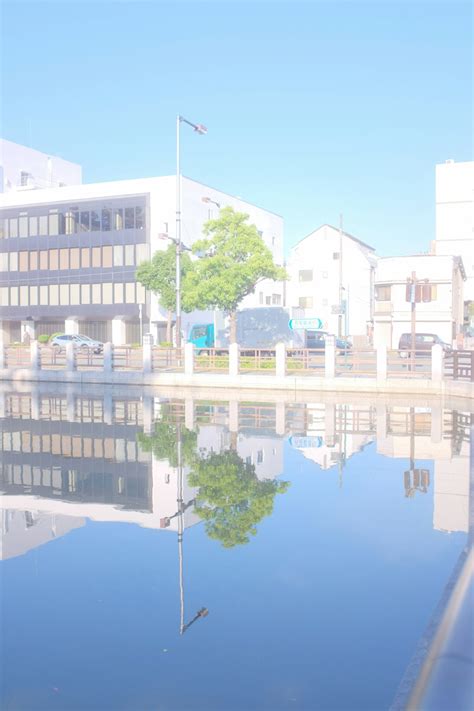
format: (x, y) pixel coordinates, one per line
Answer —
(159, 275)
(233, 260)
(231, 499)
(164, 442)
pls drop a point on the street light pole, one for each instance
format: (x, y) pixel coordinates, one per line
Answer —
(198, 128)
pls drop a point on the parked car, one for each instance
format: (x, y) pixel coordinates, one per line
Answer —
(83, 343)
(317, 339)
(424, 342)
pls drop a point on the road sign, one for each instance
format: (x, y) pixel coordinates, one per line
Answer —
(297, 324)
(309, 442)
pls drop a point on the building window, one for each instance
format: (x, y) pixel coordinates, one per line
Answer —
(324, 275)
(129, 255)
(129, 218)
(64, 294)
(95, 221)
(305, 302)
(96, 293)
(142, 253)
(33, 261)
(23, 262)
(85, 293)
(44, 301)
(53, 223)
(335, 255)
(96, 260)
(33, 226)
(118, 219)
(383, 292)
(130, 293)
(33, 296)
(306, 275)
(118, 293)
(3, 261)
(43, 225)
(276, 299)
(139, 218)
(24, 178)
(325, 302)
(141, 294)
(43, 259)
(24, 301)
(260, 298)
(85, 257)
(23, 226)
(53, 260)
(260, 456)
(64, 259)
(13, 261)
(75, 258)
(13, 227)
(106, 220)
(118, 255)
(106, 257)
(107, 294)
(54, 295)
(4, 296)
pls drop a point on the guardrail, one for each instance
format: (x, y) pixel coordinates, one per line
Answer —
(380, 363)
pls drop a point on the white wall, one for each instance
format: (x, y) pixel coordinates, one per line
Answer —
(46, 171)
(455, 216)
(394, 317)
(315, 252)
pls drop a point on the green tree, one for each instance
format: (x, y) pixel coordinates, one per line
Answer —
(159, 276)
(231, 499)
(233, 260)
(164, 442)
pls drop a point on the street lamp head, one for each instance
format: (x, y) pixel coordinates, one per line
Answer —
(199, 128)
(209, 200)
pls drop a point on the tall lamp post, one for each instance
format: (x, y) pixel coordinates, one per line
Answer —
(198, 128)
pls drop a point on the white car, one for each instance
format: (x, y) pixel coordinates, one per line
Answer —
(84, 343)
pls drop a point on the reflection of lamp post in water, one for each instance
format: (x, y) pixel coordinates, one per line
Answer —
(415, 479)
(203, 612)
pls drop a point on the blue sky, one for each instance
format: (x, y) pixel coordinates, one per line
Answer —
(313, 108)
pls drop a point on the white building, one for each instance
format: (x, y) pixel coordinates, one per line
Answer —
(455, 219)
(23, 168)
(332, 272)
(68, 255)
(443, 277)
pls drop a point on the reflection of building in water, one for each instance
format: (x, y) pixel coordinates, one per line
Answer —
(432, 434)
(330, 434)
(24, 530)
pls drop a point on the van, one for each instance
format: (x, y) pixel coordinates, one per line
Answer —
(424, 342)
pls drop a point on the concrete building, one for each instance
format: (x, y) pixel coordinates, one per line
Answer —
(68, 255)
(23, 168)
(331, 278)
(442, 315)
(455, 221)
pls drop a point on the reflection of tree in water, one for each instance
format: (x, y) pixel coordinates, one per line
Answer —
(230, 498)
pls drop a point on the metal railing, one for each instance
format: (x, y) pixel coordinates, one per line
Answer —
(17, 357)
(409, 364)
(211, 360)
(305, 361)
(257, 360)
(127, 358)
(459, 365)
(356, 363)
(168, 359)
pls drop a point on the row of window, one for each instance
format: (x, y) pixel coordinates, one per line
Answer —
(128, 255)
(72, 294)
(308, 274)
(272, 300)
(115, 449)
(424, 292)
(71, 220)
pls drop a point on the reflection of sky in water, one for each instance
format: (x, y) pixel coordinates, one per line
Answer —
(322, 609)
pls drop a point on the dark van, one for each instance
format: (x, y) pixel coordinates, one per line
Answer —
(424, 342)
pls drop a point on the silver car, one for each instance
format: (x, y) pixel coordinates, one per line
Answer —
(83, 343)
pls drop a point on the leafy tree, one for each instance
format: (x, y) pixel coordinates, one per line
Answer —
(231, 499)
(159, 275)
(233, 260)
(164, 442)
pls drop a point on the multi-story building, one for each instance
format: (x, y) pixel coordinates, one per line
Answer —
(455, 221)
(440, 310)
(331, 278)
(68, 255)
(23, 168)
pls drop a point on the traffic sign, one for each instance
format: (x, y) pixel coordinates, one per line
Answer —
(309, 442)
(297, 324)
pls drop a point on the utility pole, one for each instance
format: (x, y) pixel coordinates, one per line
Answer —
(339, 329)
(411, 295)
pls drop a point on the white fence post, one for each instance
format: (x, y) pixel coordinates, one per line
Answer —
(234, 359)
(108, 357)
(437, 363)
(330, 357)
(70, 357)
(280, 355)
(2, 350)
(189, 358)
(382, 361)
(147, 357)
(34, 355)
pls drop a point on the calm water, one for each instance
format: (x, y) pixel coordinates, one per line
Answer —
(175, 554)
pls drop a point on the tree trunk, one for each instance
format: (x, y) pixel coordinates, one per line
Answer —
(233, 327)
(168, 328)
